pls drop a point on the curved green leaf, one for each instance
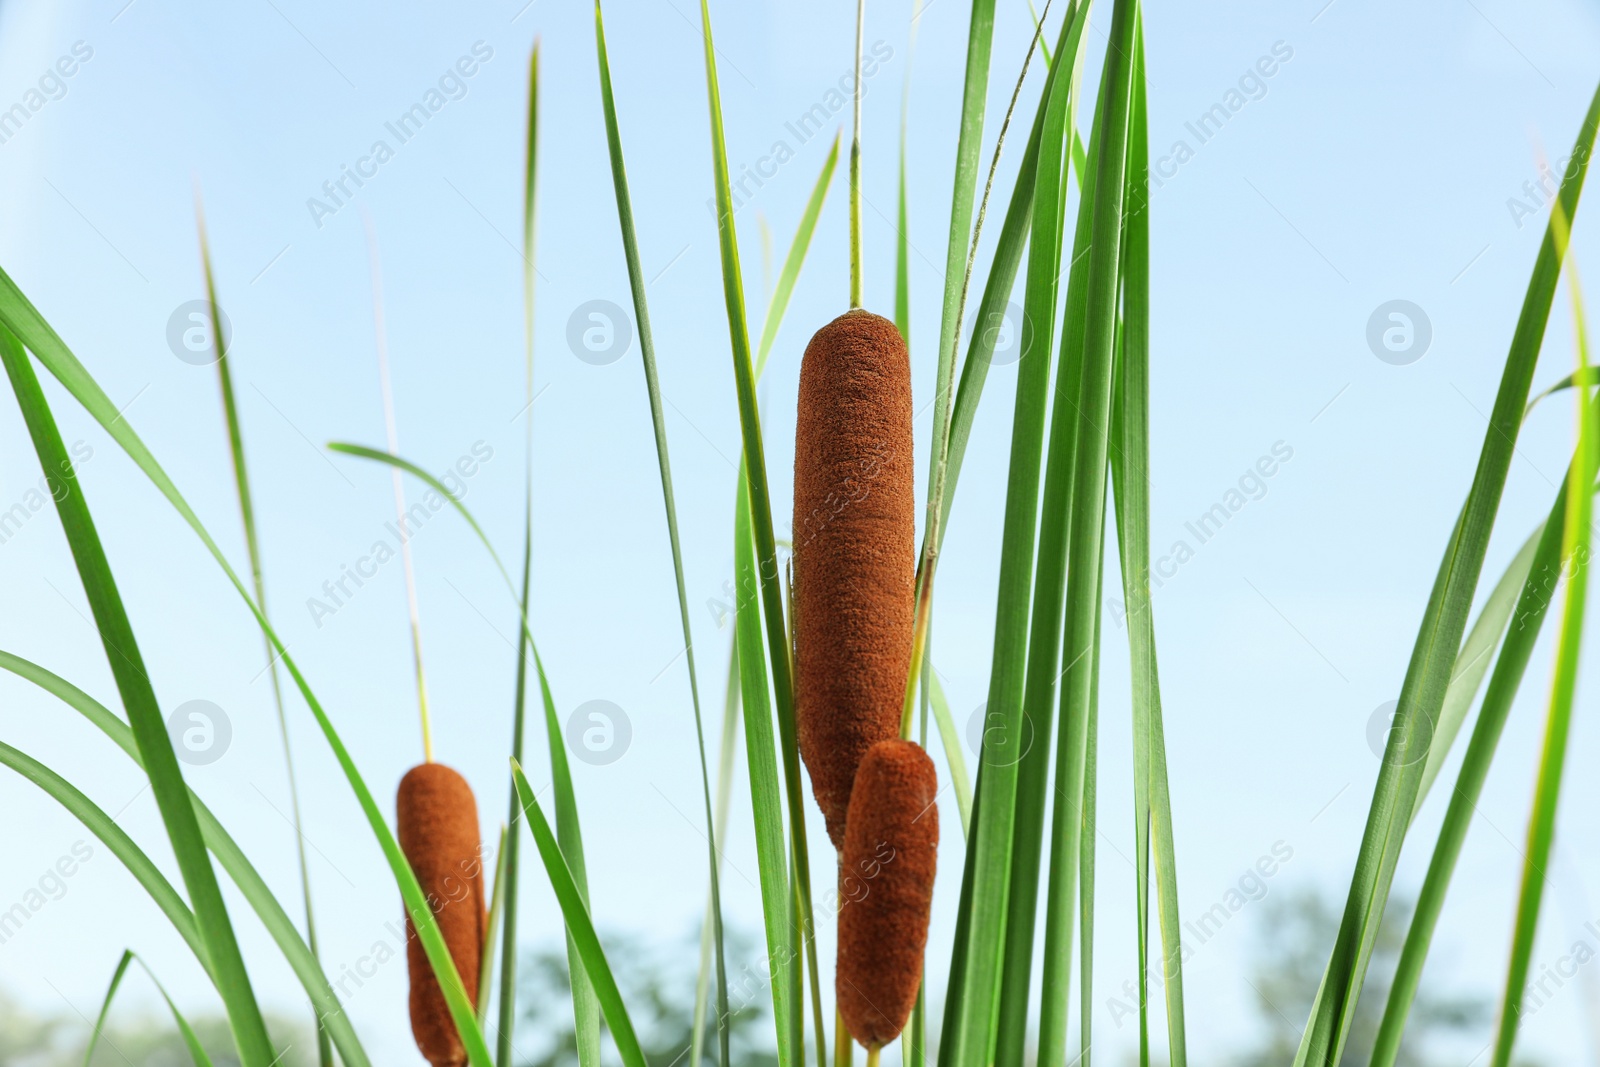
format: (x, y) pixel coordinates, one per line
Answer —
(251, 885)
(950, 738)
(97, 822)
(21, 317)
(241, 481)
(584, 1027)
(1576, 539)
(191, 1040)
(641, 309)
(1438, 641)
(580, 926)
(105, 1005)
(144, 711)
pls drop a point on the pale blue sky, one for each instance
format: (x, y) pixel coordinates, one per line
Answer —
(1376, 162)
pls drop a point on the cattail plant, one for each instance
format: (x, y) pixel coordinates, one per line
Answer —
(854, 533)
(435, 812)
(438, 831)
(886, 890)
(854, 552)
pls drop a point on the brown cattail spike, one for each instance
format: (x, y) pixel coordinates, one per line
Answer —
(438, 821)
(886, 890)
(854, 550)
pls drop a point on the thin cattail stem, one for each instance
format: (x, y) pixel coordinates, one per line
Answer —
(843, 1046)
(241, 482)
(393, 438)
(508, 944)
(855, 166)
(941, 444)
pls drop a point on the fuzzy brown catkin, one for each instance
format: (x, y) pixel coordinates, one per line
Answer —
(854, 550)
(438, 824)
(886, 874)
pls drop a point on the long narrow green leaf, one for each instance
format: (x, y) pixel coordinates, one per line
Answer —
(105, 1005)
(1086, 856)
(1438, 640)
(997, 291)
(144, 711)
(1102, 219)
(636, 282)
(777, 305)
(251, 885)
(1527, 599)
(1130, 466)
(491, 927)
(725, 770)
(795, 259)
(749, 412)
(950, 737)
(765, 789)
(1575, 548)
(964, 185)
(995, 818)
(241, 481)
(1582, 376)
(933, 533)
(1538, 578)
(1534, 569)
(191, 1040)
(20, 317)
(587, 1031)
(567, 825)
(766, 554)
(1475, 658)
(1042, 638)
(506, 1019)
(580, 926)
(585, 1009)
(902, 241)
(103, 826)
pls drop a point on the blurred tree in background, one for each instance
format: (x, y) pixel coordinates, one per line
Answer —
(658, 986)
(1293, 938)
(28, 1039)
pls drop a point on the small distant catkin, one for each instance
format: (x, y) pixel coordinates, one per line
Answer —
(854, 550)
(438, 822)
(886, 890)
